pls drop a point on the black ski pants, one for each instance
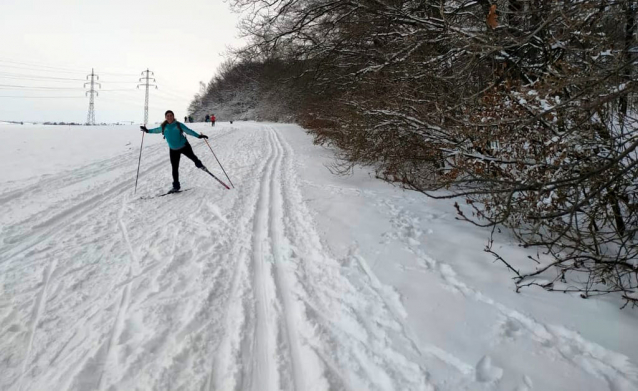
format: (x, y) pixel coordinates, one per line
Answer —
(175, 154)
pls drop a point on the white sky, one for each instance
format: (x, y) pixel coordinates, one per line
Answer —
(181, 41)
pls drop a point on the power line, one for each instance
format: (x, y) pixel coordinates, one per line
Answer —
(119, 74)
(31, 68)
(18, 75)
(33, 64)
(175, 91)
(13, 86)
(130, 101)
(30, 79)
(6, 63)
(41, 97)
(171, 96)
(132, 98)
(90, 118)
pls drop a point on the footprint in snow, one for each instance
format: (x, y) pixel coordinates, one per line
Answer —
(526, 385)
(486, 372)
(511, 328)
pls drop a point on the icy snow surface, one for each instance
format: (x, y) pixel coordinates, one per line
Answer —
(295, 280)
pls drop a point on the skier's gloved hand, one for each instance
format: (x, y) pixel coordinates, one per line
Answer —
(143, 128)
(203, 136)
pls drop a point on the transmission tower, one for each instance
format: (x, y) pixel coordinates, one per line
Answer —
(147, 83)
(90, 118)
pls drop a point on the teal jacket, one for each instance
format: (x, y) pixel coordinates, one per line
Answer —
(175, 138)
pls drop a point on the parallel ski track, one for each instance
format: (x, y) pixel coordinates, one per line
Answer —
(264, 372)
(44, 230)
(52, 227)
(133, 270)
(75, 176)
(254, 312)
(279, 245)
(225, 372)
(38, 309)
(225, 264)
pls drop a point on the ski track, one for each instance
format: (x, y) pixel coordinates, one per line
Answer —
(38, 308)
(219, 290)
(225, 372)
(133, 270)
(279, 247)
(42, 230)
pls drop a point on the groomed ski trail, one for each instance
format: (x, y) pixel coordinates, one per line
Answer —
(210, 289)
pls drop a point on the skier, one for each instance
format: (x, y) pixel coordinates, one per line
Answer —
(212, 119)
(185, 119)
(173, 132)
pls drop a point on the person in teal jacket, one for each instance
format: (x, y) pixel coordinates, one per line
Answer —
(173, 132)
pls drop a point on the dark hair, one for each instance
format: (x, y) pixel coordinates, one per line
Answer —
(168, 111)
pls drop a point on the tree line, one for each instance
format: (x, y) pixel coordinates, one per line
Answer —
(522, 110)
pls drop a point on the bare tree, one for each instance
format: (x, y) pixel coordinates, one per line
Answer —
(523, 109)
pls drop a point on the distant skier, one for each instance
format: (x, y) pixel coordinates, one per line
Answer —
(190, 119)
(185, 119)
(173, 132)
(212, 119)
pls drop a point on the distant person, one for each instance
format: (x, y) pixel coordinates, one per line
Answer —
(206, 118)
(185, 119)
(212, 119)
(178, 145)
(190, 119)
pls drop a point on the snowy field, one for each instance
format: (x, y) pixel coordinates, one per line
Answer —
(295, 280)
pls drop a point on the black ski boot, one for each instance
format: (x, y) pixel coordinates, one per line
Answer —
(175, 188)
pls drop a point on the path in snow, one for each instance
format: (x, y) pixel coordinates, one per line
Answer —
(213, 289)
(208, 289)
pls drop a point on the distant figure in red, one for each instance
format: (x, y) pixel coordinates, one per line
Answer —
(212, 119)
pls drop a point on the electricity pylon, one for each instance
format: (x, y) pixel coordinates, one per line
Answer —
(147, 80)
(90, 118)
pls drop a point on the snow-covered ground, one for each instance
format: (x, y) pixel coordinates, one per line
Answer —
(295, 280)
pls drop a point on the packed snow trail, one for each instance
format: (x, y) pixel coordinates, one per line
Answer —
(211, 288)
(248, 289)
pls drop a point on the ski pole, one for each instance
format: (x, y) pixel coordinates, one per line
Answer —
(139, 162)
(220, 165)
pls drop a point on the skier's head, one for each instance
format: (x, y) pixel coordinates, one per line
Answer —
(169, 116)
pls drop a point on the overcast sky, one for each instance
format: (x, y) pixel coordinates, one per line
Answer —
(47, 42)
